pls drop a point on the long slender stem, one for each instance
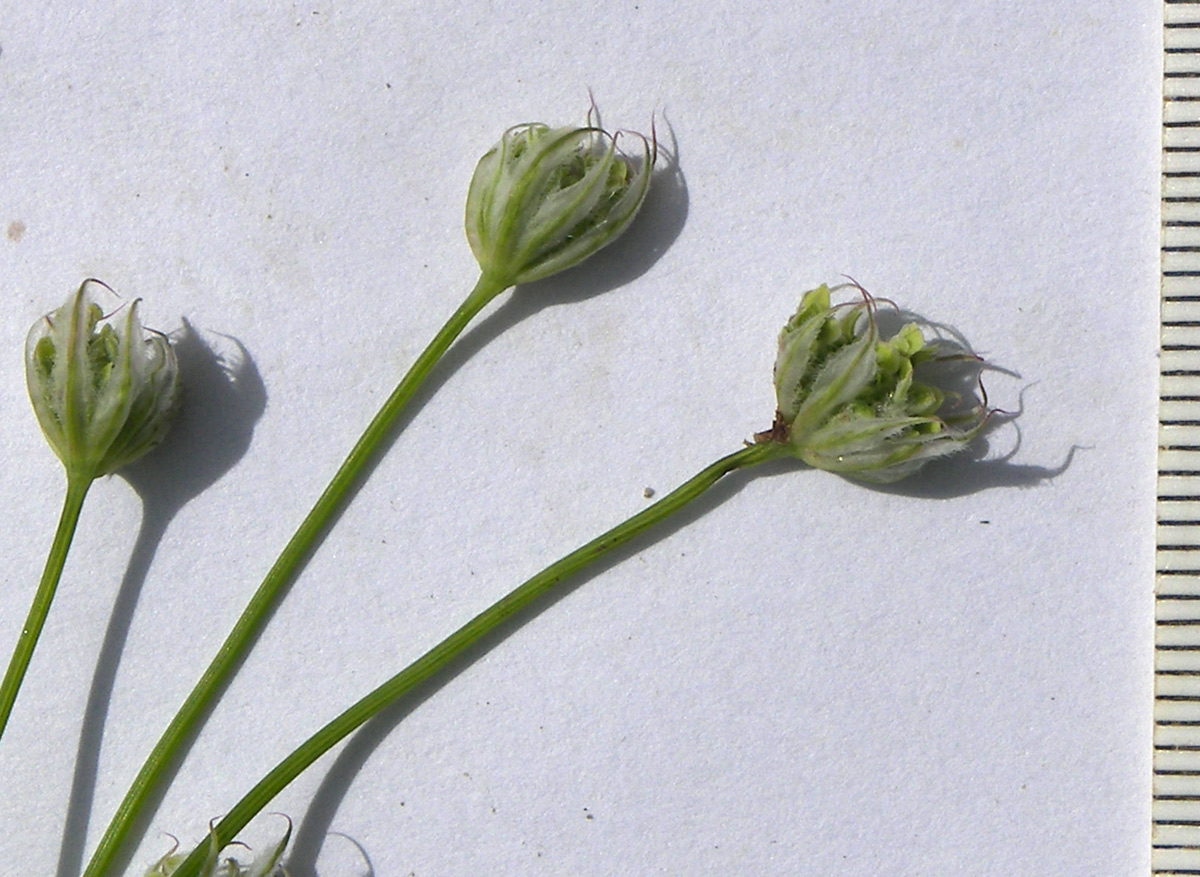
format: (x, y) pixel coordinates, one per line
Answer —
(77, 488)
(293, 555)
(456, 643)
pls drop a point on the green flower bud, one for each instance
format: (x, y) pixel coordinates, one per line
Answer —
(103, 388)
(848, 401)
(544, 199)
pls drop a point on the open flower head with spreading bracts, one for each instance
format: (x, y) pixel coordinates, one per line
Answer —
(849, 400)
(544, 199)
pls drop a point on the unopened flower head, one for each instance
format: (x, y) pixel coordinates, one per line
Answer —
(544, 199)
(848, 400)
(103, 388)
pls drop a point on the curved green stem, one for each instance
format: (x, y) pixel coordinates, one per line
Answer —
(77, 488)
(456, 643)
(293, 555)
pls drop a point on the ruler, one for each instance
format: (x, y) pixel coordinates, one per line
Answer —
(1175, 808)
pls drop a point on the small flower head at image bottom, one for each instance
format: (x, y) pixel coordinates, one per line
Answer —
(851, 402)
(265, 864)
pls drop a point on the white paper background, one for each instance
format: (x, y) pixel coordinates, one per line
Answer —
(803, 676)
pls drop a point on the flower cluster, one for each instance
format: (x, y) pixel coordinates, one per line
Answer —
(849, 401)
(103, 388)
(544, 199)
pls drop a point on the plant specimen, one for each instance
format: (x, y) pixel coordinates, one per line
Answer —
(541, 200)
(849, 401)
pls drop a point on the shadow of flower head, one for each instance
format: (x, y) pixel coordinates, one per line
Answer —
(223, 399)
